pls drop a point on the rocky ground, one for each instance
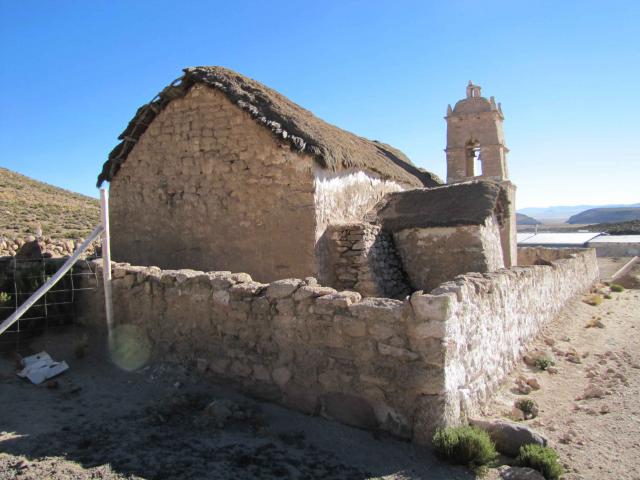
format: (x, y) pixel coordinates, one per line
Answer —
(589, 399)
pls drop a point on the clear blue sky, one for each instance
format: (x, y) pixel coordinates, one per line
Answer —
(567, 74)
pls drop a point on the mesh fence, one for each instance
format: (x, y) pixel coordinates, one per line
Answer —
(19, 278)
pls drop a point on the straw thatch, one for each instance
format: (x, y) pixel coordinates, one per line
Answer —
(468, 203)
(333, 148)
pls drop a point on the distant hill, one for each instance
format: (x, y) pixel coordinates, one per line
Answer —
(622, 228)
(522, 219)
(25, 203)
(564, 212)
(606, 215)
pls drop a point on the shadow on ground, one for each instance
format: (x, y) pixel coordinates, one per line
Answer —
(165, 423)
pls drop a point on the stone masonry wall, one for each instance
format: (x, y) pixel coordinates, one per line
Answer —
(208, 188)
(293, 342)
(491, 317)
(363, 258)
(402, 366)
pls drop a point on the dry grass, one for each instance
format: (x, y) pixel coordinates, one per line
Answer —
(25, 203)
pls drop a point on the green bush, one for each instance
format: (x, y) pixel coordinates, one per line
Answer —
(4, 297)
(543, 363)
(464, 446)
(528, 407)
(542, 459)
(616, 288)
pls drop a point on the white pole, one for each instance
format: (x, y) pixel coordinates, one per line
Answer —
(51, 282)
(106, 261)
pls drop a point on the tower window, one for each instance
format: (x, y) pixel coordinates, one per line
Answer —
(474, 160)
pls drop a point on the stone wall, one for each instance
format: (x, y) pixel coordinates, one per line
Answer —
(615, 249)
(362, 257)
(434, 255)
(402, 366)
(491, 318)
(359, 361)
(207, 187)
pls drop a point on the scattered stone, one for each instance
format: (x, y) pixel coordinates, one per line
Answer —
(519, 473)
(604, 409)
(593, 391)
(552, 370)
(533, 383)
(516, 414)
(219, 411)
(508, 436)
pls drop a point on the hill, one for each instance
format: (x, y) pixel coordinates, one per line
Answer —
(622, 228)
(522, 219)
(25, 203)
(564, 212)
(606, 215)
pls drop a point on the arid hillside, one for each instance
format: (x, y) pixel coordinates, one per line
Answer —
(25, 203)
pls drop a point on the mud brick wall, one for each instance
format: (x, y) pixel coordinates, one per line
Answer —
(434, 255)
(206, 187)
(363, 258)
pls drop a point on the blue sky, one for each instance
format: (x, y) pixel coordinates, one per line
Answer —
(567, 74)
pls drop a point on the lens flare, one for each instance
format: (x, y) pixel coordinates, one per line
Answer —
(130, 348)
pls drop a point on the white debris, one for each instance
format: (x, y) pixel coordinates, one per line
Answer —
(41, 367)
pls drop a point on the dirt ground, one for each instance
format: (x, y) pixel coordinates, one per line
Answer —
(102, 422)
(160, 422)
(590, 408)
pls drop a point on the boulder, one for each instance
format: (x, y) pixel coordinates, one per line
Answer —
(519, 473)
(509, 436)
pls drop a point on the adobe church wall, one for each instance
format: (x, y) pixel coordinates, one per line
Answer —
(405, 366)
(347, 196)
(437, 254)
(208, 188)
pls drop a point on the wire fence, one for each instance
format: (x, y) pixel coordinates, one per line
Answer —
(21, 277)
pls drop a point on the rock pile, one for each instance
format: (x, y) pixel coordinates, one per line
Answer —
(47, 247)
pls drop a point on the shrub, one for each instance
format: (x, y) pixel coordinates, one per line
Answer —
(542, 459)
(4, 297)
(464, 446)
(528, 407)
(543, 363)
(594, 300)
(616, 288)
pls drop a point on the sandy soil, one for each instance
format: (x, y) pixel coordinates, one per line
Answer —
(590, 408)
(102, 422)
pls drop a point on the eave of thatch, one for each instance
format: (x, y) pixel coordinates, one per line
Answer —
(333, 148)
(468, 203)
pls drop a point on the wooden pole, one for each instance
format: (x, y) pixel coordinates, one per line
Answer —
(15, 316)
(106, 261)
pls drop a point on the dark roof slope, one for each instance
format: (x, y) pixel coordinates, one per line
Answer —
(332, 147)
(468, 203)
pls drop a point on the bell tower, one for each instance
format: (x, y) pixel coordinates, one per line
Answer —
(476, 151)
(475, 139)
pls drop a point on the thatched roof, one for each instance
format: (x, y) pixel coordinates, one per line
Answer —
(333, 148)
(468, 203)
